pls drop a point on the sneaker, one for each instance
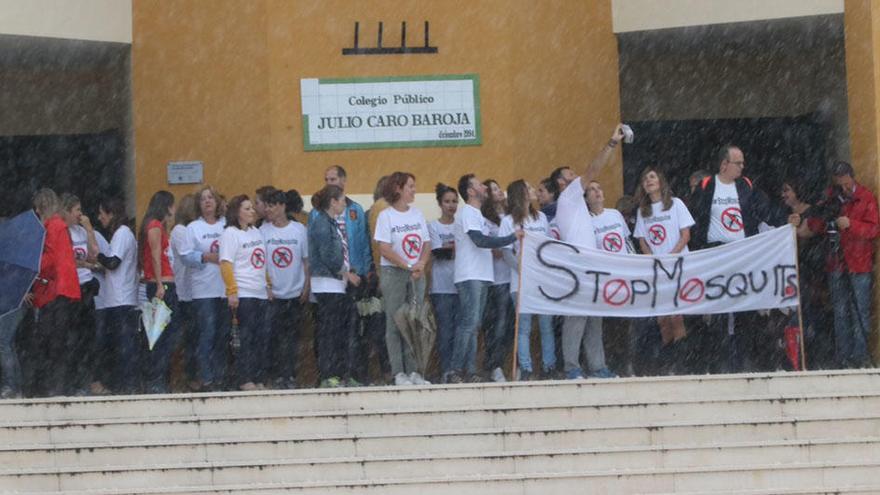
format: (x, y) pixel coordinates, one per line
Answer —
(332, 382)
(8, 393)
(417, 379)
(574, 374)
(249, 386)
(475, 378)
(351, 382)
(602, 373)
(402, 379)
(498, 376)
(525, 375)
(453, 377)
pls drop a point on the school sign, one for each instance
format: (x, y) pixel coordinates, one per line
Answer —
(391, 112)
(759, 272)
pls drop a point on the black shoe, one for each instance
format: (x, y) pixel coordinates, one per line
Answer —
(525, 376)
(453, 377)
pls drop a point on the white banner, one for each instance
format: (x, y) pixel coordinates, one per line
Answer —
(391, 112)
(759, 272)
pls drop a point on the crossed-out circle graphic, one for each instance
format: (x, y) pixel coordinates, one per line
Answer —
(616, 292)
(79, 253)
(258, 258)
(656, 234)
(731, 219)
(612, 242)
(282, 257)
(412, 246)
(692, 290)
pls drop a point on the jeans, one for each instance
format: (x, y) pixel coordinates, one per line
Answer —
(472, 295)
(394, 283)
(851, 298)
(498, 319)
(334, 334)
(446, 312)
(117, 349)
(285, 323)
(158, 361)
(211, 324)
(54, 356)
(190, 338)
(586, 332)
(252, 360)
(82, 338)
(548, 342)
(10, 370)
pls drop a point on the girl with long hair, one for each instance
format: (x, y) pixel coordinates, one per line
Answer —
(444, 296)
(498, 316)
(521, 197)
(159, 279)
(663, 225)
(405, 246)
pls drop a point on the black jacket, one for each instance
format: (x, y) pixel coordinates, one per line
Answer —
(753, 203)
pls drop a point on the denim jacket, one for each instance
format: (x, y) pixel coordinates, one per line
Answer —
(358, 236)
(325, 246)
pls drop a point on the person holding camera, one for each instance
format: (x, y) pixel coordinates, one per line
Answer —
(850, 225)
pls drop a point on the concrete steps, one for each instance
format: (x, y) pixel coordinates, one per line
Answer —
(813, 432)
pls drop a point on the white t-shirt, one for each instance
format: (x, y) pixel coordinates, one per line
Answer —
(103, 248)
(246, 251)
(611, 231)
(662, 229)
(539, 226)
(207, 282)
(80, 239)
(500, 270)
(471, 262)
(406, 232)
(288, 246)
(573, 216)
(554, 230)
(121, 285)
(725, 218)
(442, 271)
(182, 274)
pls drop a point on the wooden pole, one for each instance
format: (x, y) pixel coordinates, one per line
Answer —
(513, 374)
(797, 267)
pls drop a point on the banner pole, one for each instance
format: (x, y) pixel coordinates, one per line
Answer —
(797, 266)
(513, 374)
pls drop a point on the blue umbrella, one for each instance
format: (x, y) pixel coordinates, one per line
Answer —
(21, 247)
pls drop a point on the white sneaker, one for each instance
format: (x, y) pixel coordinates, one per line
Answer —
(498, 376)
(416, 379)
(402, 379)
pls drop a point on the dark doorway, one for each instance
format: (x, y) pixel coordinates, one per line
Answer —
(774, 148)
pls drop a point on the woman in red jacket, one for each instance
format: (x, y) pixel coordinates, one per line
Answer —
(159, 278)
(56, 292)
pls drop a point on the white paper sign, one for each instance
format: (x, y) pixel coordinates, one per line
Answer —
(759, 272)
(391, 112)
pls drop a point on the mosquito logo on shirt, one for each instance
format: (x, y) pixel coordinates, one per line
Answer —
(282, 257)
(612, 242)
(412, 246)
(79, 253)
(215, 246)
(731, 219)
(258, 258)
(657, 234)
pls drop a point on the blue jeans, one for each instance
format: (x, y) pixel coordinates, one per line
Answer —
(286, 321)
(851, 298)
(10, 370)
(189, 337)
(211, 325)
(252, 360)
(118, 349)
(446, 312)
(158, 362)
(548, 342)
(472, 296)
(498, 321)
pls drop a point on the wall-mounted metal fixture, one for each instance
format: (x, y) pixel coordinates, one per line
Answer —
(389, 50)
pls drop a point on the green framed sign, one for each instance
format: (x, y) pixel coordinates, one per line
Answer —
(391, 112)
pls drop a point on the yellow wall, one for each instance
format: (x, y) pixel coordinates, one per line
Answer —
(218, 81)
(862, 20)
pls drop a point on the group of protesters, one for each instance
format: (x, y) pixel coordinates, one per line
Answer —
(244, 276)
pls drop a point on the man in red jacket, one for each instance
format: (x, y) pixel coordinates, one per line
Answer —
(850, 263)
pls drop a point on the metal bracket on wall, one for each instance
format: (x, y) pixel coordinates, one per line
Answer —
(390, 50)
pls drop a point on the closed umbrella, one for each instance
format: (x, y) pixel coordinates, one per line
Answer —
(21, 247)
(417, 325)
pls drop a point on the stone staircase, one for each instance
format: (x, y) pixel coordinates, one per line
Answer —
(781, 433)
